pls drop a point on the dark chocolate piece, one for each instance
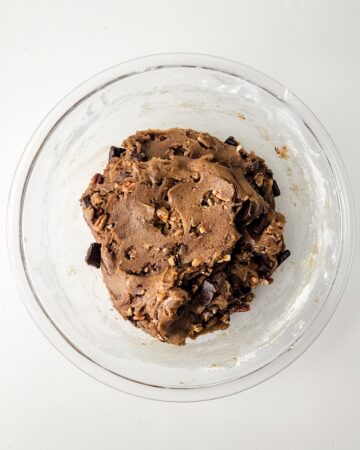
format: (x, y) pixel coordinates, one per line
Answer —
(259, 225)
(231, 141)
(116, 152)
(97, 179)
(246, 214)
(275, 189)
(208, 291)
(253, 167)
(284, 255)
(86, 201)
(93, 255)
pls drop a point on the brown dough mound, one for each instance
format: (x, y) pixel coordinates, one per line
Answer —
(187, 227)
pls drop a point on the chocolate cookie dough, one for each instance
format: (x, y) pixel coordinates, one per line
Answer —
(185, 227)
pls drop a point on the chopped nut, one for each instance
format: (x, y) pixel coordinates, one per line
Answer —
(239, 148)
(221, 302)
(163, 214)
(282, 152)
(201, 229)
(202, 138)
(196, 262)
(218, 195)
(196, 177)
(243, 307)
(206, 315)
(254, 281)
(214, 309)
(259, 179)
(225, 318)
(139, 317)
(97, 200)
(199, 309)
(165, 228)
(225, 258)
(128, 186)
(89, 213)
(129, 311)
(172, 261)
(131, 253)
(264, 282)
(197, 327)
(100, 222)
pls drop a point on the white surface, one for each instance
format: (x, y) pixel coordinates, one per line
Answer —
(47, 48)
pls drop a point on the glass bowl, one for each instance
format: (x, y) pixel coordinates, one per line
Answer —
(48, 237)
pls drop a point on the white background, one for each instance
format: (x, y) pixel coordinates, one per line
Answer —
(46, 49)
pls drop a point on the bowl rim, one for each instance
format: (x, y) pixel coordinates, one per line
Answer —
(28, 160)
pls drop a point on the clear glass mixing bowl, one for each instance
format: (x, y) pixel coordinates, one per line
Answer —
(48, 237)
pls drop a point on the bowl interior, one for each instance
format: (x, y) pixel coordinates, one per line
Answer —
(54, 236)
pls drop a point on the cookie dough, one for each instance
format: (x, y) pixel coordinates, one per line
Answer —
(185, 227)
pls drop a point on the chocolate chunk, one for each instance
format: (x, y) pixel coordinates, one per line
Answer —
(86, 201)
(207, 292)
(253, 166)
(139, 156)
(97, 179)
(231, 141)
(177, 150)
(263, 263)
(275, 189)
(269, 172)
(115, 152)
(241, 291)
(174, 260)
(93, 255)
(181, 311)
(218, 276)
(284, 255)
(259, 225)
(247, 214)
(99, 212)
